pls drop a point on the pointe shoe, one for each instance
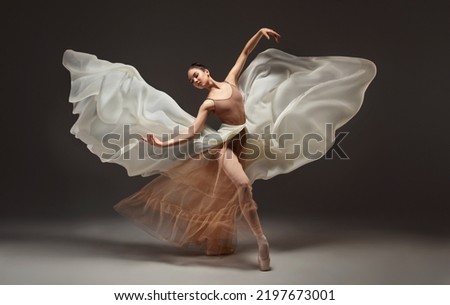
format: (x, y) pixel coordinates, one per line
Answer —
(264, 264)
(263, 255)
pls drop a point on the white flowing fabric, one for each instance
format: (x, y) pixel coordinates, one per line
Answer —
(116, 108)
(287, 98)
(298, 97)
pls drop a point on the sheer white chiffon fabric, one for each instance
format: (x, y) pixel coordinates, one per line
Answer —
(293, 107)
(287, 99)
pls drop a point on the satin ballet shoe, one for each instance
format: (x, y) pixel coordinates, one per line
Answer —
(264, 264)
(263, 254)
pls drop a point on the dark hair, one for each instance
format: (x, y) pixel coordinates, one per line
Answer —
(198, 65)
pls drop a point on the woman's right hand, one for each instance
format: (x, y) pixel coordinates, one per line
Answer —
(153, 140)
(270, 33)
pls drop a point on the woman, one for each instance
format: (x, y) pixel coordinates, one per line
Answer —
(226, 102)
(270, 109)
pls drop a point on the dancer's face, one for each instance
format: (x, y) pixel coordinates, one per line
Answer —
(198, 77)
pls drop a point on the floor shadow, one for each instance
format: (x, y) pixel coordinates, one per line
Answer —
(283, 236)
(154, 251)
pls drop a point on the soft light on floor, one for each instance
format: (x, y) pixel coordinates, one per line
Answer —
(114, 251)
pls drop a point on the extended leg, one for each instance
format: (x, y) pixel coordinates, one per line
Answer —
(236, 173)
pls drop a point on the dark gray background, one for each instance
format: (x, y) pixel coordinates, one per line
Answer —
(398, 172)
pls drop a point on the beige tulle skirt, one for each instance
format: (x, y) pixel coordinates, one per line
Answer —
(193, 204)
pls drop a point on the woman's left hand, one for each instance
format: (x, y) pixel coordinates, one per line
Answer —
(270, 33)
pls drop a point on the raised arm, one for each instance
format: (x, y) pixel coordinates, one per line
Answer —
(234, 73)
(195, 128)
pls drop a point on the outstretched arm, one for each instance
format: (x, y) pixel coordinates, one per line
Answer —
(195, 128)
(234, 73)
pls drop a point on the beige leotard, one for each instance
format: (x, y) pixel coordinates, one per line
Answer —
(230, 110)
